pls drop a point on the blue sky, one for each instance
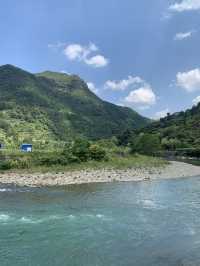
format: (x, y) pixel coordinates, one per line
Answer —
(143, 54)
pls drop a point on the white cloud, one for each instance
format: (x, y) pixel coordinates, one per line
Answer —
(161, 114)
(143, 96)
(97, 61)
(183, 35)
(123, 84)
(74, 51)
(190, 81)
(196, 100)
(92, 87)
(185, 5)
(77, 52)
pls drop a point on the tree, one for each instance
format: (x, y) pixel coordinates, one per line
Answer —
(97, 153)
(146, 144)
(124, 138)
(80, 149)
(171, 144)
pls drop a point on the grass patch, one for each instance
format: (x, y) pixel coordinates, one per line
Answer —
(115, 162)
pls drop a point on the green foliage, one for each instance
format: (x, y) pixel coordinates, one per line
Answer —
(179, 130)
(53, 160)
(171, 144)
(20, 163)
(125, 138)
(80, 149)
(97, 153)
(4, 125)
(108, 144)
(146, 144)
(68, 153)
(5, 165)
(76, 155)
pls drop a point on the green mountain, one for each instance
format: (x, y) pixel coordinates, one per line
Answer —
(49, 107)
(179, 130)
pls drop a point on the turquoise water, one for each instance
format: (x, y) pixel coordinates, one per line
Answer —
(120, 224)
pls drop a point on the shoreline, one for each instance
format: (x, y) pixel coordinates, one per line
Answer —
(173, 170)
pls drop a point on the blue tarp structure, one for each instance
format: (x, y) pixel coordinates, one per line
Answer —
(26, 147)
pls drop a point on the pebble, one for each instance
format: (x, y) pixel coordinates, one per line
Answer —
(173, 170)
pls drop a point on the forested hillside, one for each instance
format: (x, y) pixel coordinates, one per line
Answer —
(181, 130)
(50, 107)
(178, 132)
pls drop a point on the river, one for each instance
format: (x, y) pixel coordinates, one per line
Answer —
(153, 223)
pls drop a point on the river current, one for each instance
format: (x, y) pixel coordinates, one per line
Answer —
(154, 223)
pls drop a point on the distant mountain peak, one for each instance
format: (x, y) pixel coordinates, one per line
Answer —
(8, 66)
(11, 67)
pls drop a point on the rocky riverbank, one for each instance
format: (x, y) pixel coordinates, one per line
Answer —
(172, 170)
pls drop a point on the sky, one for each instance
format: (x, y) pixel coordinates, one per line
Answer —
(142, 54)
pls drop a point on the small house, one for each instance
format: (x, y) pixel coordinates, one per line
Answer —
(26, 147)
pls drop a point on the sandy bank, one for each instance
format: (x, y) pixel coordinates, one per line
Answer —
(173, 170)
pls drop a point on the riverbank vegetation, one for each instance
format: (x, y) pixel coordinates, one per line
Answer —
(77, 155)
(159, 144)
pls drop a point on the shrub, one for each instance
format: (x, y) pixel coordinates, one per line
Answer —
(171, 144)
(4, 125)
(97, 153)
(20, 163)
(5, 165)
(68, 154)
(53, 160)
(80, 149)
(108, 144)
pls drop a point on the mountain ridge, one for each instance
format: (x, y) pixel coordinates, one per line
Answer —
(51, 106)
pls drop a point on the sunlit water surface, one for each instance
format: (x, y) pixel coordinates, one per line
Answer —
(120, 224)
